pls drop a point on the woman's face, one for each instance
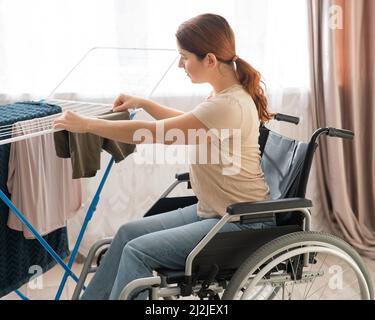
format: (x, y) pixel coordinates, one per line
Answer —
(192, 66)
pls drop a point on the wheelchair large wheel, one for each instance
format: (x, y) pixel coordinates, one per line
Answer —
(302, 265)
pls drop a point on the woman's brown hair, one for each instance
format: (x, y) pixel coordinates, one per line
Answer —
(211, 33)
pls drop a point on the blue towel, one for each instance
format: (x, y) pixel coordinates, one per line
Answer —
(17, 254)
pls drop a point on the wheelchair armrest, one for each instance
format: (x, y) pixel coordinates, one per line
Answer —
(183, 176)
(248, 208)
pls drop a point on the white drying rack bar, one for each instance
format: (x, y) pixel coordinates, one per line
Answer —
(44, 126)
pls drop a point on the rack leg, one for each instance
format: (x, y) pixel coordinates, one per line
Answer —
(21, 295)
(88, 217)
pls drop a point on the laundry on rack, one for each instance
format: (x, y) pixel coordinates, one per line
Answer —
(40, 182)
(18, 254)
(85, 149)
(25, 110)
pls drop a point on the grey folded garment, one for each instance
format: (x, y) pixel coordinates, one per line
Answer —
(84, 149)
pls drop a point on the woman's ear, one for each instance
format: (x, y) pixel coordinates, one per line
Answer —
(211, 60)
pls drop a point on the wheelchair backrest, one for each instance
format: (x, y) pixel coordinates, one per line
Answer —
(282, 162)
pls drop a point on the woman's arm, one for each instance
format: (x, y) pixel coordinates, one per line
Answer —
(183, 129)
(159, 112)
(124, 102)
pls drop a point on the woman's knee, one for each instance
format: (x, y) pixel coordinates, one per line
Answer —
(143, 248)
(132, 252)
(129, 231)
(122, 234)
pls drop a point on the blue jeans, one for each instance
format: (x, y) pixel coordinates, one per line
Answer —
(161, 241)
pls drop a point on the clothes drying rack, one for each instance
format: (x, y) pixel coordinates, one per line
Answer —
(76, 106)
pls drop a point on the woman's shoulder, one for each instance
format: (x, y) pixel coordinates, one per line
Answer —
(240, 97)
(231, 100)
(222, 102)
(229, 96)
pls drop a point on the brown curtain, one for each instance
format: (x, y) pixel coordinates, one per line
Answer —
(343, 96)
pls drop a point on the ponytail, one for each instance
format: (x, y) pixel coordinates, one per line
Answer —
(251, 81)
(212, 33)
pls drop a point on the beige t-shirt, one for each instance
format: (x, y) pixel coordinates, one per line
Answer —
(226, 169)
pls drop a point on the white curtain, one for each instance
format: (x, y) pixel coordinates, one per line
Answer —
(40, 41)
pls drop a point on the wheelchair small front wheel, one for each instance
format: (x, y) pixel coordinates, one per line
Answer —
(299, 266)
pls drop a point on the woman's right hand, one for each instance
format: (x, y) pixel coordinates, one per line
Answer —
(124, 102)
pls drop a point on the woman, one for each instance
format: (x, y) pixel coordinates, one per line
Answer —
(236, 105)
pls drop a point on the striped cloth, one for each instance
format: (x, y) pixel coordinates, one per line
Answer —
(18, 256)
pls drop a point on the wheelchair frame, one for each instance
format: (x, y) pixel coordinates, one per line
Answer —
(158, 285)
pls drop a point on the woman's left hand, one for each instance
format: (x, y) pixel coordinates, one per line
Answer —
(72, 122)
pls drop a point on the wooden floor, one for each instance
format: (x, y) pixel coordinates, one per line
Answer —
(46, 287)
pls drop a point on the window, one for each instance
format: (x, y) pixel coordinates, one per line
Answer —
(41, 42)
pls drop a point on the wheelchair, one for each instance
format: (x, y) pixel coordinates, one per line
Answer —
(287, 261)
